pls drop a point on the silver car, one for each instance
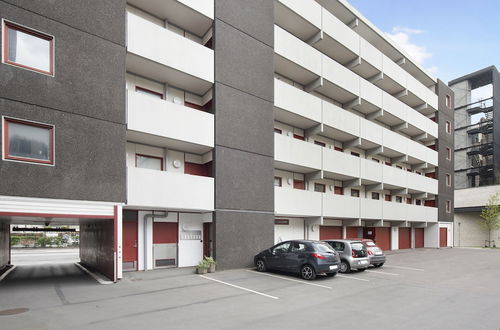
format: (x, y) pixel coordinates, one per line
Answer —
(353, 254)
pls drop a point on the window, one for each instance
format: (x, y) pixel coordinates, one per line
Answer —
(299, 184)
(448, 206)
(321, 144)
(337, 246)
(277, 130)
(285, 222)
(277, 181)
(354, 153)
(281, 248)
(400, 167)
(299, 137)
(148, 92)
(448, 180)
(298, 247)
(408, 200)
(338, 148)
(448, 127)
(376, 160)
(149, 162)
(448, 101)
(28, 49)
(338, 190)
(388, 163)
(399, 199)
(388, 198)
(319, 187)
(448, 153)
(354, 193)
(28, 141)
(418, 202)
(375, 195)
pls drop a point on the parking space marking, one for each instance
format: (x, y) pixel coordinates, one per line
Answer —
(239, 287)
(401, 267)
(353, 278)
(292, 280)
(385, 273)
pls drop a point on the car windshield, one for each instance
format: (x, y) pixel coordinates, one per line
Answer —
(370, 243)
(323, 247)
(357, 246)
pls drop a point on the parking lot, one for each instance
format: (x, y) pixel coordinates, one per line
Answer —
(416, 289)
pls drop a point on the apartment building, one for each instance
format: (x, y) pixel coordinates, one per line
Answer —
(477, 152)
(215, 100)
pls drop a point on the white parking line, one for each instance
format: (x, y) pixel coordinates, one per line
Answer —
(239, 287)
(385, 273)
(291, 279)
(401, 267)
(353, 278)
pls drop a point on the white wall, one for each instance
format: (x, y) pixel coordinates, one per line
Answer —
(394, 238)
(449, 232)
(431, 235)
(190, 250)
(294, 230)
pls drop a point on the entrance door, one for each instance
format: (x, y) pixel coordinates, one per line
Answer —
(419, 238)
(443, 237)
(383, 237)
(404, 238)
(369, 233)
(330, 232)
(354, 232)
(129, 244)
(191, 239)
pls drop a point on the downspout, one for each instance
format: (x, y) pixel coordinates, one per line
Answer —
(152, 215)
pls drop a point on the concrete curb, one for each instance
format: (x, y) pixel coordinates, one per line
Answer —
(7, 272)
(99, 278)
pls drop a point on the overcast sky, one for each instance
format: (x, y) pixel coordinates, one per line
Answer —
(449, 38)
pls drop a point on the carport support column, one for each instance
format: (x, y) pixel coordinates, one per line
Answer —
(344, 232)
(431, 235)
(118, 239)
(394, 238)
(412, 237)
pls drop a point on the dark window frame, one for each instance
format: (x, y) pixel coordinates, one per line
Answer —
(149, 156)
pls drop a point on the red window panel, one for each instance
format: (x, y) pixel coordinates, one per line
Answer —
(388, 164)
(165, 232)
(433, 147)
(338, 149)
(321, 144)
(431, 175)
(198, 169)
(338, 190)
(408, 200)
(299, 137)
(207, 107)
(354, 153)
(299, 184)
(430, 203)
(388, 198)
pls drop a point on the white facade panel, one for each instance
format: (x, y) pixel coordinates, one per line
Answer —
(206, 7)
(341, 119)
(340, 206)
(340, 32)
(341, 163)
(296, 202)
(370, 54)
(310, 10)
(371, 209)
(370, 170)
(370, 92)
(292, 99)
(339, 75)
(294, 230)
(297, 152)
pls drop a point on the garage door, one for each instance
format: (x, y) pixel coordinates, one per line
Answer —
(404, 238)
(419, 238)
(330, 232)
(443, 237)
(354, 232)
(383, 237)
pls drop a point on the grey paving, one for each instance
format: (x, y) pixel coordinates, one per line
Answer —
(419, 289)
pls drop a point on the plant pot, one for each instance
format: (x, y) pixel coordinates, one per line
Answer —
(211, 269)
(201, 270)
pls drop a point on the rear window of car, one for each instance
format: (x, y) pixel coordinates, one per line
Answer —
(370, 244)
(357, 246)
(322, 247)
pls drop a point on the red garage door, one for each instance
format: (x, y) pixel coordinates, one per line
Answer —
(330, 232)
(383, 237)
(443, 237)
(354, 232)
(404, 238)
(419, 237)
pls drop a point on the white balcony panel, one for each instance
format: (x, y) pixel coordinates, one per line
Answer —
(206, 7)
(296, 51)
(431, 214)
(394, 106)
(394, 71)
(296, 152)
(296, 202)
(421, 152)
(294, 100)
(340, 32)
(341, 119)
(422, 183)
(174, 125)
(394, 211)
(394, 176)
(371, 93)
(308, 10)
(340, 206)
(422, 122)
(416, 87)
(370, 170)
(341, 76)
(371, 131)
(370, 54)
(340, 165)
(396, 141)
(163, 55)
(371, 209)
(420, 213)
(166, 190)
(432, 99)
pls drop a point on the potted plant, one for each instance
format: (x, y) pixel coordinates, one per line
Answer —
(202, 267)
(211, 264)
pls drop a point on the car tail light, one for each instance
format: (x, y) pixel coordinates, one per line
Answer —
(370, 253)
(318, 256)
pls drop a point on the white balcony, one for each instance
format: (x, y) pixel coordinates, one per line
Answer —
(339, 83)
(370, 171)
(158, 122)
(296, 155)
(407, 212)
(162, 55)
(300, 17)
(371, 209)
(169, 191)
(395, 211)
(295, 107)
(340, 165)
(296, 202)
(340, 206)
(294, 58)
(422, 183)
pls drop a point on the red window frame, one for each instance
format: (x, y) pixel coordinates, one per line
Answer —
(299, 137)
(299, 184)
(12, 26)
(448, 101)
(149, 156)
(319, 143)
(6, 122)
(338, 190)
(448, 180)
(338, 149)
(448, 127)
(388, 198)
(138, 88)
(448, 153)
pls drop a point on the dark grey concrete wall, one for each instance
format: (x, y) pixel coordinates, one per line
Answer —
(97, 246)
(85, 100)
(4, 244)
(244, 140)
(445, 140)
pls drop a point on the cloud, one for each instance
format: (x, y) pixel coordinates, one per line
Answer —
(402, 37)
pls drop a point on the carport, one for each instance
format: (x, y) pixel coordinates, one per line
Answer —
(99, 223)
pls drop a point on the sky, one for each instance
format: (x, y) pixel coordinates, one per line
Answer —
(449, 38)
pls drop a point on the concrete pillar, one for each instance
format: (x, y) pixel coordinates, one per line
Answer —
(394, 238)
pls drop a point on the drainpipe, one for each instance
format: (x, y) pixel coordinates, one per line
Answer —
(152, 215)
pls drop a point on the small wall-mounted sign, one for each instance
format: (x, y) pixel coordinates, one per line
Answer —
(281, 221)
(191, 234)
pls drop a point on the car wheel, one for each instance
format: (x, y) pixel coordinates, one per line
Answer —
(331, 274)
(260, 265)
(344, 267)
(361, 269)
(379, 265)
(307, 272)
